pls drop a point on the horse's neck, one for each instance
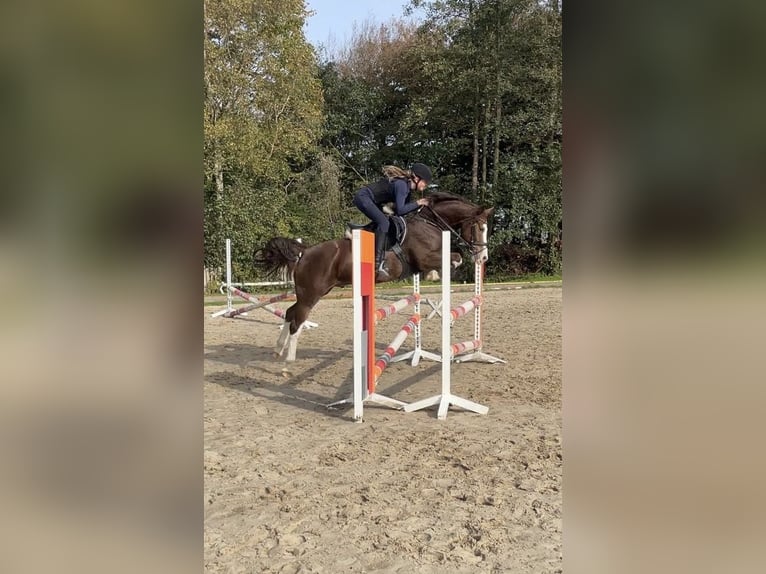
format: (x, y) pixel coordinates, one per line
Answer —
(452, 216)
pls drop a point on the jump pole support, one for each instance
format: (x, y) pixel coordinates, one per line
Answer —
(363, 286)
(263, 304)
(446, 398)
(478, 290)
(230, 312)
(228, 282)
(418, 353)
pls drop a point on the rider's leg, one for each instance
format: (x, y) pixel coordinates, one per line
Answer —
(366, 205)
(380, 251)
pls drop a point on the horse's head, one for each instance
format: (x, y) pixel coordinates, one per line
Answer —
(469, 221)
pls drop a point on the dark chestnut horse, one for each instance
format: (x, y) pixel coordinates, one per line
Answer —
(319, 268)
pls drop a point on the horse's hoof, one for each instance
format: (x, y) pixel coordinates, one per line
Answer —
(286, 373)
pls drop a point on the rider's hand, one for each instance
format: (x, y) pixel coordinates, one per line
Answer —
(423, 201)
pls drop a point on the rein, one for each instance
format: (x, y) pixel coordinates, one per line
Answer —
(442, 225)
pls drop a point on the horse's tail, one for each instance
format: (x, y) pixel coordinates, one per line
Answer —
(278, 255)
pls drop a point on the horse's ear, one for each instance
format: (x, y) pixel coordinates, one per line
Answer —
(487, 216)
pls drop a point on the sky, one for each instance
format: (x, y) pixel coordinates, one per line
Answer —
(336, 17)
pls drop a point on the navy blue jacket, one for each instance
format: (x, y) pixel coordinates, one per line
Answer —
(398, 191)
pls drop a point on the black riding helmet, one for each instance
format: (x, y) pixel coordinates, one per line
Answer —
(422, 171)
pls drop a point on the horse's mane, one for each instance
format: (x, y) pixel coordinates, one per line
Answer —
(451, 201)
(440, 196)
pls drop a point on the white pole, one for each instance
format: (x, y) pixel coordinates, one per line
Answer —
(446, 318)
(228, 274)
(417, 353)
(360, 346)
(416, 289)
(478, 289)
(362, 339)
(227, 285)
(446, 398)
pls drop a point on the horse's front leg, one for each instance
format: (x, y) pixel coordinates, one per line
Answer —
(433, 261)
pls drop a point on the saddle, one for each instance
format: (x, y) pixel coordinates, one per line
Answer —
(397, 231)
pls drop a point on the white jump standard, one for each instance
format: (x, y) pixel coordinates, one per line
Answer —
(417, 353)
(256, 303)
(366, 370)
(449, 351)
(475, 304)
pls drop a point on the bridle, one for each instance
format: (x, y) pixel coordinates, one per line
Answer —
(442, 225)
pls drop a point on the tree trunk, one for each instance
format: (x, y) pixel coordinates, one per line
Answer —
(484, 150)
(475, 164)
(496, 159)
(476, 112)
(498, 103)
(219, 188)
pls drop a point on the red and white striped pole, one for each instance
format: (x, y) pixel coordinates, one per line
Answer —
(384, 360)
(466, 307)
(389, 310)
(458, 348)
(257, 303)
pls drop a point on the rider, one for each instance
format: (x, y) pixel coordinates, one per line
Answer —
(397, 186)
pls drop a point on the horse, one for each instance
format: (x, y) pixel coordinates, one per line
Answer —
(318, 268)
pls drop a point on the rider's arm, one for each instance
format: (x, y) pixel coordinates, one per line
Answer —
(401, 191)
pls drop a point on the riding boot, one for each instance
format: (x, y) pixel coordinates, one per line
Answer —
(380, 253)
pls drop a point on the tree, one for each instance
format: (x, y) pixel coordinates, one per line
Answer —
(502, 112)
(474, 91)
(262, 119)
(367, 96)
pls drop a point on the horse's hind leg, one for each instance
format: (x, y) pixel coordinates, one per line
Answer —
(279, 348)
(299, 316)
(281, 345)
(295, 317)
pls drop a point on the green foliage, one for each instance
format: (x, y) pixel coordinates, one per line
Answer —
(315, 206)
(475, 92)
(262, 118)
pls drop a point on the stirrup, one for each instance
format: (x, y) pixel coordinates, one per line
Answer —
(381, 269)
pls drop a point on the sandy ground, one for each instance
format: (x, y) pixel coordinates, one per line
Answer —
(291, 486)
